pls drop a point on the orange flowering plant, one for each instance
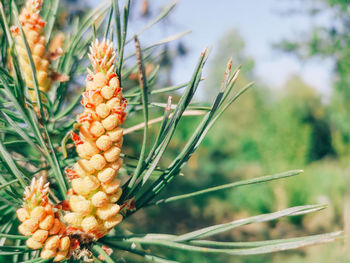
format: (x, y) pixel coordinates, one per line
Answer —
(66, 185)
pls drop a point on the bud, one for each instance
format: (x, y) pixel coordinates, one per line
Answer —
(24, 230)
(64, 243)
(52, 242)
(99, 199)
(61, 255)
(97, 129)
(47, 254)
(73, 219)
(107, 92)
(40, 235)
(113, 221)
(110, 122)
(112, 187)
(116, 134)
(79, 187)
(116, 165)
(114, 83)
(80, 205)
(91, 183)
(38, 213)
(112, 154)
(85, 164)
(106, 175)
(31, 224)
(90, 148)
(103, 110)
(115, 197)
(56, 227)
(32, 244)
(104, 143)
(22, 214)
(47, 223)
(98, 161)
(107, 211)
(89, 224)
(40, 222)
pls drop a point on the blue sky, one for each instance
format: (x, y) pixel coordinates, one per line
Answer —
(261, 24)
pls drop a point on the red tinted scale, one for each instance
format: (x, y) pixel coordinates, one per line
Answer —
(64, 205)
(120, 110)
(70, 173)
(76, 139)
(85, 117)
(112, 75)
(88, 98)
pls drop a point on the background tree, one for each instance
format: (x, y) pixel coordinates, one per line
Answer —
(330, 41)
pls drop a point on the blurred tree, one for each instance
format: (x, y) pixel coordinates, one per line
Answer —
(330, 41)
(306, 106)
(267, 130)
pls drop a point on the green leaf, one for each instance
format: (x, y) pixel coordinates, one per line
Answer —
(158, 91)
(51, 18)
(13, 236)
(70, 107)
(22, 133)
(98, 249)
(230, 185)
(2, 186)
(265, 243)
(144, 96)
(217, 229)
(12, 250)
(146, 256)
(12, 165)
(122, 37)
(36, 260)
(280, 246)
(109, 21)
(117, 23)
(169, 130)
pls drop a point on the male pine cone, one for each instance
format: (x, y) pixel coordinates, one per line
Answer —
(42, 224)
(95, 188)
(33, 27)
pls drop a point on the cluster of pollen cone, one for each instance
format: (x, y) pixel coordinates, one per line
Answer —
(33, 28)
(95, 188)
(42, 224)
(91, 208)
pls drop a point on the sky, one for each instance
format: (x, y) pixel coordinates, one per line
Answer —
(260, 22)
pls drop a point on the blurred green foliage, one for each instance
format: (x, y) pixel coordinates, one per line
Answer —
(267, 130)
(330, 41)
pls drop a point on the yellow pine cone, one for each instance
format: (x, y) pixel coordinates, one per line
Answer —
(95, 186)
(33, 27)
(41, 223)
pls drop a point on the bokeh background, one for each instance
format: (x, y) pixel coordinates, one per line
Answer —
(295, 117)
